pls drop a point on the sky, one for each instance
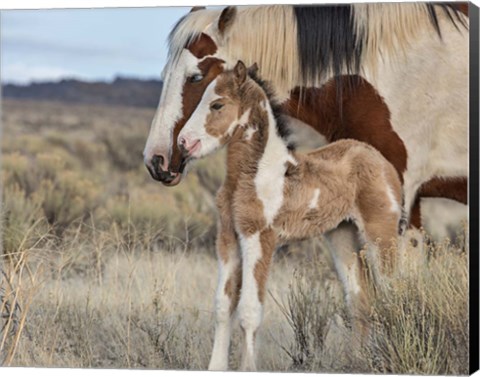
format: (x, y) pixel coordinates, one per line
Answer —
(88, 44)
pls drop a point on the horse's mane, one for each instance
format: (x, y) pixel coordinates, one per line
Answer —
(305, 45)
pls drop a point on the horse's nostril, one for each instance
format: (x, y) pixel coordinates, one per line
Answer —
(157, 161)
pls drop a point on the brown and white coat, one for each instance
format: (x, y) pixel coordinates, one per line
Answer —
(272, 195)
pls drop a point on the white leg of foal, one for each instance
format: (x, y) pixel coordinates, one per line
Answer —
(250, 306)
(224, 311)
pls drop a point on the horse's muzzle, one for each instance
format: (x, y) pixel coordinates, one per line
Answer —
(167, 177)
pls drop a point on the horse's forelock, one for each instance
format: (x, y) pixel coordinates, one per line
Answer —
(188, 29)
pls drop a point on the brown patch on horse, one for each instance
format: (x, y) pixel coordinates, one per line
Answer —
(202, 46)
(210, 68)
(233, 287)
(438, 187)
(227, 246)
(365, 116)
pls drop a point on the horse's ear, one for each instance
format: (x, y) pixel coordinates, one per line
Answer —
(253, 69)
(194, 9)
(240, 72)
(226, 19)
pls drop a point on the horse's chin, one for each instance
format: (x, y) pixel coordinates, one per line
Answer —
(174, 182)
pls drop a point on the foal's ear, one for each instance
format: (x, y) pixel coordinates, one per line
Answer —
(194, 9)
(253, 69)
(226, 19)
(240, 72)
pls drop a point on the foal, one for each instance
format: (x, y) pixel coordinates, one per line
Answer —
(272, 195)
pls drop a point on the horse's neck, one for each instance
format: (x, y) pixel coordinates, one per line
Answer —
(260, 147)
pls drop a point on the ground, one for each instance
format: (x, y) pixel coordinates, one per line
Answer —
(103, 267)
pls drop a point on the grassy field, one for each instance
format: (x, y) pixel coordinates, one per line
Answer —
(102, 267)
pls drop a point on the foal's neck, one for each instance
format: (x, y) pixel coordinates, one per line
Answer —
(259, 147)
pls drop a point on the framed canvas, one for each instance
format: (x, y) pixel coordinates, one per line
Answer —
(278, 188)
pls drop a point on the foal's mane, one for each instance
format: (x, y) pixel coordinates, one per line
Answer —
(283, 129)
(305, 45)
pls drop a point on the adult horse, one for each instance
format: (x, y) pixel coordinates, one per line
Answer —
(392, 75)
(406, 92)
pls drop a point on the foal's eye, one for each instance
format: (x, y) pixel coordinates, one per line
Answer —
(216, 106)
(195, 78)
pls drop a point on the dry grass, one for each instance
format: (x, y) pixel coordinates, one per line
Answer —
(101, 267)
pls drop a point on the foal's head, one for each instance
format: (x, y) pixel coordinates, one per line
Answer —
(223, 110)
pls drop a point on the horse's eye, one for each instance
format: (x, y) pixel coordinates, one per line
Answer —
(195, 78)
(216, 106)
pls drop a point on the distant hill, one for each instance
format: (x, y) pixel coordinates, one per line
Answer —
(121, 91)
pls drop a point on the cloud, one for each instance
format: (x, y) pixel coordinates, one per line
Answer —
(20, 73)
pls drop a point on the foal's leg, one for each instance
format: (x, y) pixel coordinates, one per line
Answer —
(229, 281)
(343, 244)
(257, 250)
(383, 230)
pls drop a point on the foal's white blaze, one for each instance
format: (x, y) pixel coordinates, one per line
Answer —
(170, 109)
(314, 201)
(270, 177)
(249, 306)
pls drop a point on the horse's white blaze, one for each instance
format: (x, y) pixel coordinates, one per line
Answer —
(170, 107)
(249, 306)
(314, 201)
(271, 169)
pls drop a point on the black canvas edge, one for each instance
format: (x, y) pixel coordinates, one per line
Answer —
(474, 267)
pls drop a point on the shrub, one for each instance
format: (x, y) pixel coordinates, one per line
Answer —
(47, 182)
(124, 148)
(311, 305)
(21, 223)
(420, 321)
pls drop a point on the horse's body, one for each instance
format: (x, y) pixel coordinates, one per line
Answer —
(274, 195)
(410, 99)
